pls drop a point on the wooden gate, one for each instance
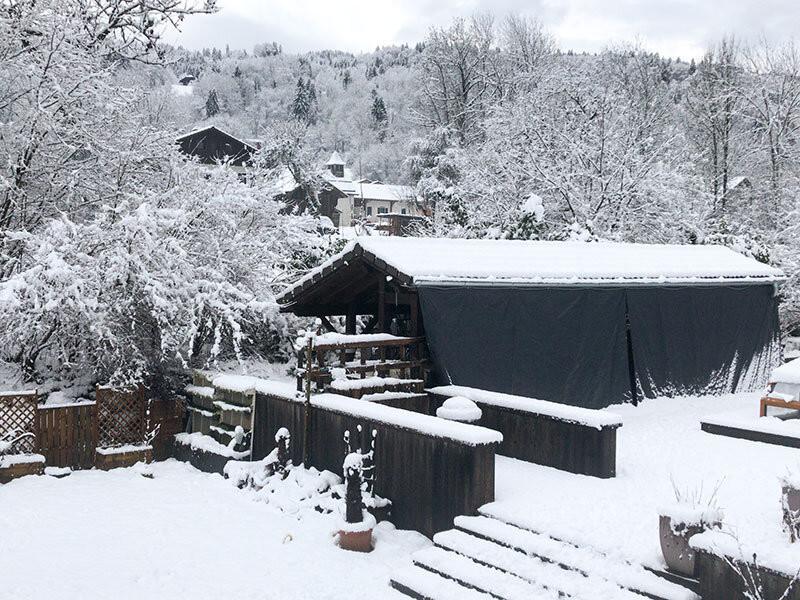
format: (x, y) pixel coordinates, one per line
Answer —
(68, 434)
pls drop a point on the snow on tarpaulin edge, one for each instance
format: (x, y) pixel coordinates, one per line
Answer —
(472, 435)
(563, 412)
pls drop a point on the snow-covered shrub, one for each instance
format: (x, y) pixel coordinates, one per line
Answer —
(165, 279)
(118, 257)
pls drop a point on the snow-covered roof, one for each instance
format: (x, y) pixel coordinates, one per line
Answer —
(443, 260)
(383, 191)
(335, 159)
(736, 182)
(214, 127)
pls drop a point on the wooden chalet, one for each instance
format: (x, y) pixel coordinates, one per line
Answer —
(583, 324)
(211, 146)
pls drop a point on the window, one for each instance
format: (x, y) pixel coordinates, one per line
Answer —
(382, 210)
(402, 211)
(369, 211)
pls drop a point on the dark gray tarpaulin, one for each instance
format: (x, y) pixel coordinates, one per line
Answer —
(690, 340)
(569, 344)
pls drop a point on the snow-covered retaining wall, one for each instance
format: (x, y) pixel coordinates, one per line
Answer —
(716, 552)
(431, 469)
(570, 438)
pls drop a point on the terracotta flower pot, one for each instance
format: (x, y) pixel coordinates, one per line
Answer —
(357, 541)
(679, 556)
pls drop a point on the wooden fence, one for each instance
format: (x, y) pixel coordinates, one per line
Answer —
(68, 434)
(430, 476)
(581, 440)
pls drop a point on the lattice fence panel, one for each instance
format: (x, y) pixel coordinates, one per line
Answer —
(121, 417)
(18, 414)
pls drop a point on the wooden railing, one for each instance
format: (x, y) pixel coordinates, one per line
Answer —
(362, 357)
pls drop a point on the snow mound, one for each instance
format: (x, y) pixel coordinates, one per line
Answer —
(788, 373)
(459, 408)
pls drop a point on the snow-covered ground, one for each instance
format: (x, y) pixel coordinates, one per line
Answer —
(189, 534)
(182, 534)
(660, 440)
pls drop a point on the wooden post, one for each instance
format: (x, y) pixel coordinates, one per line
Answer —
(381, 305)
(350, 321)
(307, 415)
(414, 309)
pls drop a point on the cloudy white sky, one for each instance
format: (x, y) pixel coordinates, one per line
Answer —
(672, 27)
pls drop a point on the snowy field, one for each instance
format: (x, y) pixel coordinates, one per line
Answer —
(659, 441)
(182, 534)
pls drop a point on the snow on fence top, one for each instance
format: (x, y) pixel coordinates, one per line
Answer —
(563, 412)
(340, 339)
(250, 384)
(460, 432)
(788, 373)
(445, 260)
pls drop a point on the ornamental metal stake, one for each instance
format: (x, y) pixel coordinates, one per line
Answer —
(307, 416)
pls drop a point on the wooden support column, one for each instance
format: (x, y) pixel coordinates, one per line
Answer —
(381, 305)
(350, 320)
(414, 309)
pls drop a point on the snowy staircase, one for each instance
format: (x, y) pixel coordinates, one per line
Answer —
(487, 558)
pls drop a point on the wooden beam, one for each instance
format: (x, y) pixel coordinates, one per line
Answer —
(381, 304)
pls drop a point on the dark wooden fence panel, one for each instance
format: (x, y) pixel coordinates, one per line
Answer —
(167, 417)
(272, 413)
(429, 479)
(718, 581)
(68, 435)
(545, 440)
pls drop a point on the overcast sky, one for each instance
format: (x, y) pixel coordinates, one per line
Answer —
(672, 27)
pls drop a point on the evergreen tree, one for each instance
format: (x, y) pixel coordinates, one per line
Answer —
(212, 104)
(380, 118)
(304, 106)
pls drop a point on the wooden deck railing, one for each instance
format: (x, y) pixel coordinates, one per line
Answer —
(363, 357)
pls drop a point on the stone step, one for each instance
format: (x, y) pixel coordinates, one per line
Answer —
(421, 584)
(587, 561)
(471, 574)
(532, 569)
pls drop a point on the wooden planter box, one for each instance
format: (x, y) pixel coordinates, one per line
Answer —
(114, 458)
(718, 581)
(35, 466)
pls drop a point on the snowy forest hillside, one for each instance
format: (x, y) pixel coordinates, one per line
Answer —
(121, 259)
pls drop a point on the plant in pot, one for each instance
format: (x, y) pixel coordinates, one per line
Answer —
(790, 504)
(692, 512)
